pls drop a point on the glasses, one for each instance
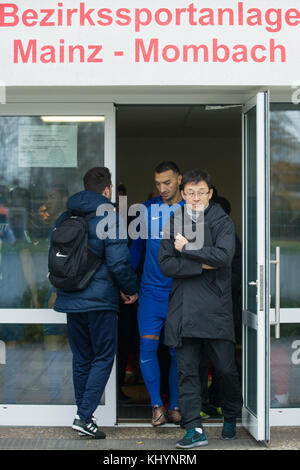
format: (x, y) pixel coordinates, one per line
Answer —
(198, 194)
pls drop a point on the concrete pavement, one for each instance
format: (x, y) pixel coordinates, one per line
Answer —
(138, 438)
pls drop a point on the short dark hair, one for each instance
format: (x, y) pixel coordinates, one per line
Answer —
(195, 176)
(97, 179)
(121, 188)
(165, 166)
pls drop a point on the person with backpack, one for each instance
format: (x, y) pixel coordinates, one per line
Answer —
(90, 268)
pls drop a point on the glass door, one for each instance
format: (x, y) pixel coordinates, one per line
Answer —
(45, 151)
(285, 262)
(256, 267)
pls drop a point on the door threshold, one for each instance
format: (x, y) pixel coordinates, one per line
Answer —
(146, 423)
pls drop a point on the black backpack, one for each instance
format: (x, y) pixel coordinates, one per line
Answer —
(72, 264)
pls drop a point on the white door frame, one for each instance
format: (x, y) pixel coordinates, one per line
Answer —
(60, 415)
(258, 425)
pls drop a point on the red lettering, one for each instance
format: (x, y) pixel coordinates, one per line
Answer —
(138, 20)
(166, 49)
(121, 15)
(30, 17)
(216, 48)
(60, 14)
(62, 51)
(241, 13)
(11, 13)
(254, 19)
(273, 50)
(241, 55)
(221, 12)
(71, 53)
(195, 50)
(86, 15)
(292, 14)
(152, 49)
(51, 53)
(45, 20)
(18, 49)
(277, 22)
(70, 13)
(179, 12)
(254, 55)
(158, 16)
(210, 17)
(93, 57)
(192, 10)
(105, 20)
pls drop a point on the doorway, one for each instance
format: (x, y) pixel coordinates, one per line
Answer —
(199, 136)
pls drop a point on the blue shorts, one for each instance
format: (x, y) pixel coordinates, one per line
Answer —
(151, 315)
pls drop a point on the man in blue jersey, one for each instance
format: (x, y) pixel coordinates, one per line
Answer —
(154, 292)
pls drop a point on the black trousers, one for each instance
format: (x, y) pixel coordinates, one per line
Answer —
(128, 338)
(222, 355)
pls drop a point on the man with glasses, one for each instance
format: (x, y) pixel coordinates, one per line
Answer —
(196, 251)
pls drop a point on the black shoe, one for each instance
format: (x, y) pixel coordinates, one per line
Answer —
(76, 419)
(88, 428)
(229, 430)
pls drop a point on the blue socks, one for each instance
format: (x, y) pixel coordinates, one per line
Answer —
(151, 373)
(150, 369)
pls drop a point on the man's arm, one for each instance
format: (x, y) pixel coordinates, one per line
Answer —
(136, 250)
(118, 262)
(172, 264)
(221, 254)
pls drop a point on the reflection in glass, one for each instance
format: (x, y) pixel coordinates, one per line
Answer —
(285, 368)
(36, 371)
(32, 197)
(285, 233)
(251, 210)
(285, 200)
(38, 365)
(251, 371)
(250, 344)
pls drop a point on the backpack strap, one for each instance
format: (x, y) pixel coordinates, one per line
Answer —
(79, 213)
(91, 215)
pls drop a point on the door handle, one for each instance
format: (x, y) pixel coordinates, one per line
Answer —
(253, 283)
(276, 323)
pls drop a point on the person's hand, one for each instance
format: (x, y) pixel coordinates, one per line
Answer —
(206, 266)
(180, 241)
(129, 299)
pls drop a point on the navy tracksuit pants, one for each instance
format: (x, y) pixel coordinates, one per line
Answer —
(93, 341)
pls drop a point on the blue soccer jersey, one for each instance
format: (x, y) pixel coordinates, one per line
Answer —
(153, 282)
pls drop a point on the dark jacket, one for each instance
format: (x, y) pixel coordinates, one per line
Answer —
(200, 302)
(116, 272)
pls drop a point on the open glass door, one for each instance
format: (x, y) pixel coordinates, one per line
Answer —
(256, 266)
(45, 151)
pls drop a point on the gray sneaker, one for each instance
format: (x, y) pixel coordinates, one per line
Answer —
(193, 438)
